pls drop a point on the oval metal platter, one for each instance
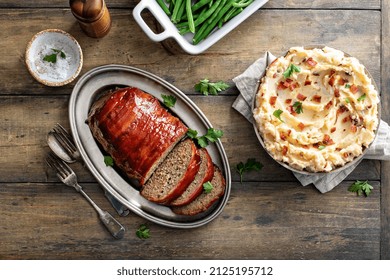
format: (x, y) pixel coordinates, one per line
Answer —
(97, 81)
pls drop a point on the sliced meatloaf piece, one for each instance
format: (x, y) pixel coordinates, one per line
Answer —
(205, 174)
(174, 174)
(135, 129)
(205, 200)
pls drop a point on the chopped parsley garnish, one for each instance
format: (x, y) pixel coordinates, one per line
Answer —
(208, 187)
(169, 100)
(109, 161)
(212, 136)
(321, 147)
(277, 114)
(347, 85)
(298, 107)
(143, 232)
(361, 98)
(347, 100)
(290, 70)
(53, 57)
(251, 164)
(361, 187)
(206, 87)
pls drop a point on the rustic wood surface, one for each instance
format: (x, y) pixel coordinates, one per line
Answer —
(268, 216)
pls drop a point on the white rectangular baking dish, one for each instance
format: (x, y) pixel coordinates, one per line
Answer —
(185, 41)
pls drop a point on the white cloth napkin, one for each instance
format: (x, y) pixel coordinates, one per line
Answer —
(247, 84)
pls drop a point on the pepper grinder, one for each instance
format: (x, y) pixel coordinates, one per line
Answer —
(92, 15)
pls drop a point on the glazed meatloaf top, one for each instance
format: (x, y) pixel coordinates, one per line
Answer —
(174, 174)
(135, 129)
(205, 200)
(205, 174)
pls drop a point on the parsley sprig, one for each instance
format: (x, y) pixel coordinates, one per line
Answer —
(143, 232)
(298, 107)
(277, 114)
(208, 187)
(212, 136)
(206, 87)
(168, 100)
(361, 187)
(251, 164)
(361, 98)
(290, 70)
(109, 161)
(53, 57)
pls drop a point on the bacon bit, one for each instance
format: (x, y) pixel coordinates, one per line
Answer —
(283, 136)
(310, 61)
(333, 129)
(307, 82)
(275, 75)
(341, 110)
(291, 110)
(338, 149)
(289, 132)
(332, 72)
(331, 81)
(347, 118)
(327, 106)
(288, 101)
(316, 145)
(353, 128)
(354, 89)
(342, 82)
(301, 97)
(336, 92)
(301, 126)
(281, 86)
(316, 98)
(284, 150)
(272, 100)
(346, 155)
(305, 146)
(292, 86)
(327, 140)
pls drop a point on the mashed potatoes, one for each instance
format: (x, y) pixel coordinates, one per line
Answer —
(316, 109)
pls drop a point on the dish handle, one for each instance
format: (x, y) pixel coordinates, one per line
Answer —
(169, 30)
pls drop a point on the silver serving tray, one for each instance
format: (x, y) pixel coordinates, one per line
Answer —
(97, 81)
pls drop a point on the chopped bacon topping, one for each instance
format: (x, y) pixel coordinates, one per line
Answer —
(301, 97)
(336, 92)
(346, 119)
(341, 110)
(331, 81)
(346, 155)
(283, 136)
(316, 98)
(342, 82)
(316, 145)
(327, 140)
(305, 146)
(353, 128)
(310, 61)
(275, 75)
(354, 89)
(307, 82)
(301, 126)
(281, 85)
(272, 100)
(284, 150)
(289, 132)
(291, 110)
(333, 129)
(327, 106)
(288, 101)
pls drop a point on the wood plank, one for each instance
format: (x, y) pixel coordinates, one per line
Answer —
(385, 170)
(127, 44)
(291, 4)
(23, 142)
(261, 221)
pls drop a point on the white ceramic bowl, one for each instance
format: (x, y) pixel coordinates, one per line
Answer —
(68, 57)
(185, 41)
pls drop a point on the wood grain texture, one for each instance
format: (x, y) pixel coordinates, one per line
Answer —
(277, 221)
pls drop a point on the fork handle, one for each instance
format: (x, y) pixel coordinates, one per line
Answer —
(113, 226)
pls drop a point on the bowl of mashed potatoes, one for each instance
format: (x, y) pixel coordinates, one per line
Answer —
(316, 110)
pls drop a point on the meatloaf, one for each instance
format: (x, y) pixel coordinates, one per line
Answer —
(205, 174)
(135, 129)
(205, 200)
(174, 174)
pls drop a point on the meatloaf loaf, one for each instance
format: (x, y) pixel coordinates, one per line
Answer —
(174, 174)
(135, 129)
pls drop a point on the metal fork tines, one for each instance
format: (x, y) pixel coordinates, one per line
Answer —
(69, 178)
(64, 138)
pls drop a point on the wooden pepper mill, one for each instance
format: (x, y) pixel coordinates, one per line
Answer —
(92, 15)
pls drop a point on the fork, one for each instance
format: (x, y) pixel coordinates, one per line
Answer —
(64, 139)
(69, 178)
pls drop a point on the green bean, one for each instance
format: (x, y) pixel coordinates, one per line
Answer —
(210, 27)
(199, 5)
(164, 7)
(239, 10)
(213, 16)
(208, 13)
(242, 4)
(190, 16)
(176, 10)
(229, 13)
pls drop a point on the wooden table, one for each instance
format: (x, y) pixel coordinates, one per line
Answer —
(268, 216)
